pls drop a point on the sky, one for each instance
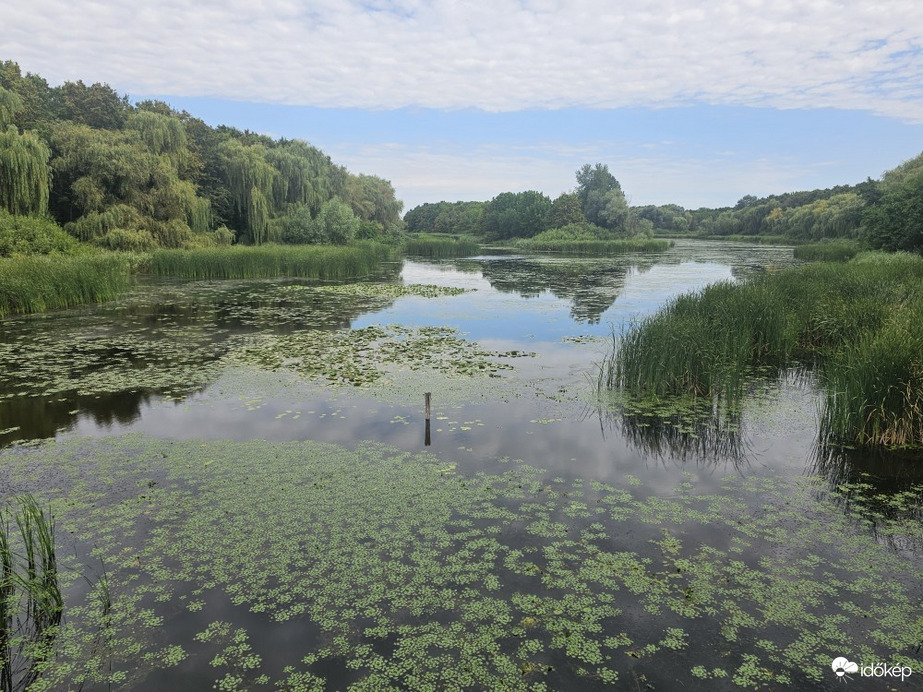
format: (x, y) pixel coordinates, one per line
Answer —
(692, 102)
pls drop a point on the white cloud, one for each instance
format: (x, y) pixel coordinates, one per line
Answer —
(506, 55)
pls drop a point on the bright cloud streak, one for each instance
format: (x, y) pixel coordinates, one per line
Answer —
(503, 56)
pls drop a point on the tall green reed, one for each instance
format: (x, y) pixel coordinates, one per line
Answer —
(860, 324)
(830, 251)
(31, 602)
(594, 247)
(441, 247)
(48, 282)
(322, 262)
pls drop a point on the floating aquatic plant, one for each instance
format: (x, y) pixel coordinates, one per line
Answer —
(361, 356)
(400, 571)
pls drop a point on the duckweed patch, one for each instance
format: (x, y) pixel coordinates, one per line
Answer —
(390, 290)
(94, 358)
(401, 572)
(362, 356)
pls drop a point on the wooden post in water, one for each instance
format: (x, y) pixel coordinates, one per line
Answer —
(426, 435)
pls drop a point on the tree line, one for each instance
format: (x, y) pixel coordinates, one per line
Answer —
(141, 176)
(884, 214)
(596, 208)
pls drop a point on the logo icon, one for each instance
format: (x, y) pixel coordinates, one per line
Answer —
(841, 666)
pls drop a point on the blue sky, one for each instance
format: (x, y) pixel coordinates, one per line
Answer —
(692, 102)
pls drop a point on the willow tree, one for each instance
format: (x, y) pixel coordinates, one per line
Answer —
(373, 199)
(127, 180)
(25, 177)
(251, 181)
(10, 105)
(295, 183)
(162, 134)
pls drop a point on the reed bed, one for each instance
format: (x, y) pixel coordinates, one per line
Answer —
(594, 247)
(48, 282)
(860, 324)
(31, 602)
(322, 262)
(739, 238)
(833, 251)
(441, 247)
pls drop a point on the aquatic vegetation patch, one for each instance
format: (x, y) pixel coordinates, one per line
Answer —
(39, 283)
(391, 290)
(400, 572)
(441, 246)
(322, 262)
(830, 251)
(87, 359)
(30, 594)
(362, 356)
(859, 322)
(594, 247)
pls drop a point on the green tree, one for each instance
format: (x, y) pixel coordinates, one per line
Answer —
(98, 106)
(516, 215)
(24, 172)
(372, 199)
(251, 180)
(298, 227)
(566, 209)
(338, 222)
(10, 105)
(895, 220)
(601, 197)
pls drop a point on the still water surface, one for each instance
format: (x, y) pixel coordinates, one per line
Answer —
(156, 363)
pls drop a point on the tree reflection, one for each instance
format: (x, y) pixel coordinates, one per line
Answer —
(591, 285)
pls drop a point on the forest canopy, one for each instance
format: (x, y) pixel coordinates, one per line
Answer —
(141, 176)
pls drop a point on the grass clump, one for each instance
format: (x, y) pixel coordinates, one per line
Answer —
(586, 239)
(39, 283)
(859, 324)
(441, 246)
(740, 238)
(31, 602)
(322, 262)
(835, 251)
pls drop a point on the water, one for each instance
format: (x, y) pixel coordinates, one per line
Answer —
(159, 425)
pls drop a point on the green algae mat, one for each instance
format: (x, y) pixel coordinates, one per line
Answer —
(310, 566)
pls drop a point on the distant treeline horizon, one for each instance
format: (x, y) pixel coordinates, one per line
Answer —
(886, 213)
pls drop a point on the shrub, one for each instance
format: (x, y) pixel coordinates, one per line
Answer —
(32, 235)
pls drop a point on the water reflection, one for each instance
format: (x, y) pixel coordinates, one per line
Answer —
(590, 286)
(105, 363)
(32, 417)
(715, 439)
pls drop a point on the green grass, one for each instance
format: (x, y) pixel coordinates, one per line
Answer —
(40, 283)
(832, 251)
(861, 324)
(757, 239)
(31, 602)
(324, 262)
(593, 247)
(438, 247)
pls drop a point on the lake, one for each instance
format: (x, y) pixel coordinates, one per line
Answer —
(247, 494)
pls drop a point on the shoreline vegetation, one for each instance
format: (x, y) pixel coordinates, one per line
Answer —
(858, 325)
(50, 282)
(594, 247)
(320, 262)
(436, 246)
